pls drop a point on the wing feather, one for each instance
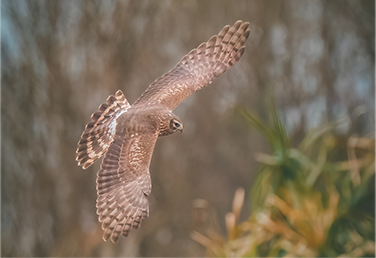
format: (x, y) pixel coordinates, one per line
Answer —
(198, 68)
(123, 184)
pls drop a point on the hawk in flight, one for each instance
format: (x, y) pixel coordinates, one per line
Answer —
(126, 133)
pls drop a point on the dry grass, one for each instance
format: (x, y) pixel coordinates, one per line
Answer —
(316, 200)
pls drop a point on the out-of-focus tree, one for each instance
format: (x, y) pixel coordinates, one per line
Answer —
(61, 59)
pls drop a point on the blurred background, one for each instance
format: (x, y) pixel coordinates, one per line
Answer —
(277, 155)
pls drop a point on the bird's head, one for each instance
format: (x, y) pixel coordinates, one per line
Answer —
(171, 124)
(176, 125)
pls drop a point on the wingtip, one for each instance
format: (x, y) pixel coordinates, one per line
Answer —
(224, 30)
(246, 24)
(238, 22)
(114, 238)
(241, 50)
(105, 237)
(246, 33)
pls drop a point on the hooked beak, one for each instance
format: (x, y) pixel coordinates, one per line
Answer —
(181, 129)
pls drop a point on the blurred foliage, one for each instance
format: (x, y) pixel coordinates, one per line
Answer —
(314, 200)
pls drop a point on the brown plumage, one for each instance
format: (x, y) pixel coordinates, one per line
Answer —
(127, 134)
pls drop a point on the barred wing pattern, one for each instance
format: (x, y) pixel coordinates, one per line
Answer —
(198, 68)
(123, 184)
(99, 133)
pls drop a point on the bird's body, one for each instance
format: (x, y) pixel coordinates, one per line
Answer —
(147, 121)
(126, 134)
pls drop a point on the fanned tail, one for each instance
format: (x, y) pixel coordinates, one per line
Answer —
(99, 133)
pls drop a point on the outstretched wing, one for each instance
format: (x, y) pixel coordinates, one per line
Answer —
(99, 133)
(123, 184)
(198, 68)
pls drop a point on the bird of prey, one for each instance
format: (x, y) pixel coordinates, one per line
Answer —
(126, 134)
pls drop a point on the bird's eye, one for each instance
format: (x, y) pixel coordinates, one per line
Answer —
(177, 125)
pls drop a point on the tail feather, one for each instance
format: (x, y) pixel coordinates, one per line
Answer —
(99, 133)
